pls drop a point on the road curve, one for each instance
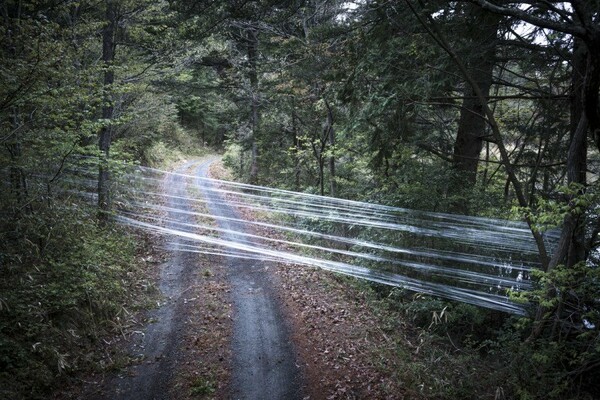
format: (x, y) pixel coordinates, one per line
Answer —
(264, 360)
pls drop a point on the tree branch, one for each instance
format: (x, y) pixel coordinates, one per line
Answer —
(434, 33)
(575, 30)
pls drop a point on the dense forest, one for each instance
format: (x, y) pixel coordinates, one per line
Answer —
(474, 107)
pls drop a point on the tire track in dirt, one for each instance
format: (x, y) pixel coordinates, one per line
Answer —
(158, 346)
(263, 364)
(264, 360)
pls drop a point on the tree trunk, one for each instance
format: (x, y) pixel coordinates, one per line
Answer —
(472, 122)
(591, 86)
(585, 116)
(104, 139)
(322, 174)
(578, 166)
(331, 139)
(298, 145)
(255, 115)
(18, 182)
(571, 246)
(12, 143)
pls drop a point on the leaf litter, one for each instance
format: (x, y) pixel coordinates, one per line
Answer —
(336, 336)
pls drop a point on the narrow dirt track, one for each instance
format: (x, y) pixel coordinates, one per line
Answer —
(264, 361)
(263, 364)
(158, 345)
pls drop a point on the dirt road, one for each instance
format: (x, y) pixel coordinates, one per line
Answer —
(263, 364)
(156, 347)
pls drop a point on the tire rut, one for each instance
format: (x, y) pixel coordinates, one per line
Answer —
(264, 360)
(158, 346)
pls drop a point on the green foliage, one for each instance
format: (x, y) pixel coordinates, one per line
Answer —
(545, 368)
(202, 387)
(173, 144)
(565, 357)
(234, 159)
(59, 297)
(159, 155)
(550, 213)
(65, 283)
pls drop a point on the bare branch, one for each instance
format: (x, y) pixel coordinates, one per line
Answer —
(573, 29)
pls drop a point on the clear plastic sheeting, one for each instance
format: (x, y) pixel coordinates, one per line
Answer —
(464, 258)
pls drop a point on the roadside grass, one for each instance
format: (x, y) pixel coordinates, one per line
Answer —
(421, 354)
(412, 352)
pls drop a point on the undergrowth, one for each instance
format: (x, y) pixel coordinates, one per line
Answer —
(65, 285)
(163, 155)
(448, 350)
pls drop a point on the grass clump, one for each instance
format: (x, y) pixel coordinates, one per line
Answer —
(202, 387)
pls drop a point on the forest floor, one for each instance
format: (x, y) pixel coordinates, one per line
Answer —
(201, 341)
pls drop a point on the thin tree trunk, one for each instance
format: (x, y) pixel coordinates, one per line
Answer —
(570, 223)
(297, 144)
(322, 174)
(18, 182)
(255, 114)
(242, 154)
(104, 139)
(571, 246)
(331, 138)
(17, 178)
(487, 163)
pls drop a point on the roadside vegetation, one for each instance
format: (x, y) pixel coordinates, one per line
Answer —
(71, 289)
(60, 309)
